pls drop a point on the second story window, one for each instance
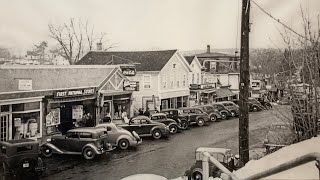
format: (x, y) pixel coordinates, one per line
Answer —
(146, 81)
(184, 81)
(192, 78)
(174, 65)
(198, 78)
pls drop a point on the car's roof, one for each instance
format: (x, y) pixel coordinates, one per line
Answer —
(158, 114)
(140, 117)
(170, 109)
(106, 124)
(86, 129)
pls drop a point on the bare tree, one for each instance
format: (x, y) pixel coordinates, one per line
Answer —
(75, 38)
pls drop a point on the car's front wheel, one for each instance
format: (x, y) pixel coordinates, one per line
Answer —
(46, 151)
(224, 115)
(173, 128)
(184, 125)
(254, 108)
(200, 121)
(156, 134)
(88, 153)
(213, 118)
(123, 144)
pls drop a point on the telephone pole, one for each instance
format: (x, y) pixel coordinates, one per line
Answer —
(244, 85)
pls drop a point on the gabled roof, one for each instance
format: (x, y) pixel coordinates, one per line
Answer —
(50, 77)
(144, 60)
(189, 58)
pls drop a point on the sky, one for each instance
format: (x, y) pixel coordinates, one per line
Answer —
(153, 24)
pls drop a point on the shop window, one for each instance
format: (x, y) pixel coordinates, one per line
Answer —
(146, 81)
(4, 108)
(121, 109)
(26, 125)
(26, 106)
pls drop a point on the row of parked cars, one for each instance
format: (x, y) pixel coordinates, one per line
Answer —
(91, 142)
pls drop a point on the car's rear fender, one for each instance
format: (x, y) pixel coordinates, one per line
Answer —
(162, 129)
(215, 114)
(54, 148)
(124, 136)
(204, 117)
(93, 147)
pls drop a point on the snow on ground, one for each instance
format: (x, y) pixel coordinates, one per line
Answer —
(306, 171)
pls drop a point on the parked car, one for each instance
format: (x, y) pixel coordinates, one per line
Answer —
(178, 116)
(120, 137)
(20, 157)
(225, 113)
(213, 113)
(254, 105)
(196, 115)
(162, 118)
(87, 141)
(231, 106)
(222, 155)
(265, 103)
(280, 134)
(143, 126)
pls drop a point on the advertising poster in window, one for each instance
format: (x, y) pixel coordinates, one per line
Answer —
(53, 117)
(77, 112)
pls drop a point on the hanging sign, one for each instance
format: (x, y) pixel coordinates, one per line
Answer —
(74, 92)
(77, 112)
(131, 85)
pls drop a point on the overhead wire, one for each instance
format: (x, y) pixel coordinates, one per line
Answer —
(278, 20)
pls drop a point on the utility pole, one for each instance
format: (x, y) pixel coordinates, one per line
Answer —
(244, 85)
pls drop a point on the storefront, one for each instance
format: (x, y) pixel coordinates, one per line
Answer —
(225, 94)
(202, 93)
(21, 118)
(67, 109)
(174, 102)
(116, 105)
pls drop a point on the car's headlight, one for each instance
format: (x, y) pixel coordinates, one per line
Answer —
(49, 140)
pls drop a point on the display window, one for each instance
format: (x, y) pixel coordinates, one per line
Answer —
(121, 109)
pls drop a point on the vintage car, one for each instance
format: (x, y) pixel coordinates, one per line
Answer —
(213, 114)
(231, 106)
(196, 115)
(20, 158)
(87, 141)
(280, 134)
(223, 155)
(162, 118)
(178, 116)
(254, 105)
(225, 113)
(265, 103)
(120, 137)
(143, 126)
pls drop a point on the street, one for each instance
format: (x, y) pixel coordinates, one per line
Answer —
(166, 157)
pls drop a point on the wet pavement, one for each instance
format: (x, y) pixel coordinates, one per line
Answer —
(166, 157)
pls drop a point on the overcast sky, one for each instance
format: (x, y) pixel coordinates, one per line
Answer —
(152, 24)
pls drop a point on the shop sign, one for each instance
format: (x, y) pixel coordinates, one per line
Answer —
(193, 95)
(128, 71)
(25, 84)
(131, 85)
(74, 92)
(207, 86)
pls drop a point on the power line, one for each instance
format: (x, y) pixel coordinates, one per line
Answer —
(278, 20)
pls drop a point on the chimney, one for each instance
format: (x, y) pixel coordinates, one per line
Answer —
(99, 46)
(208, 48)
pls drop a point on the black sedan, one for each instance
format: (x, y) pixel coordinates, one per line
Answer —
(143, 126)
(162, 118)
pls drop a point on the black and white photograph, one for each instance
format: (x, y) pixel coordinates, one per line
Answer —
(159, 89)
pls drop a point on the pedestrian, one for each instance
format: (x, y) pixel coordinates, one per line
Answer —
(140, 111)
(147, 113)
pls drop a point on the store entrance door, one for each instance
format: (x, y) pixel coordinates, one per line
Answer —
(4, 127)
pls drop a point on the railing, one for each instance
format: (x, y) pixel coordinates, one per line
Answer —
(280, 168)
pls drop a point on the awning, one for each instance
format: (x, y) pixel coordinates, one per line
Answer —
(114, 93)
(209, 91)
(71, 99)
(223, 92)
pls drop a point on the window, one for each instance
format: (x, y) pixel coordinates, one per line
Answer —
(174, 65)
(24, 148)
(4, 108)
(178, 80)
(164, 81)
(85, 135)
(136, 121)
(146, 81)
(143, 121)
(192, 78)
(184, 81)
(198, 78)
(72, 135)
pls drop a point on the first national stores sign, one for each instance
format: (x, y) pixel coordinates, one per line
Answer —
(74, 92)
